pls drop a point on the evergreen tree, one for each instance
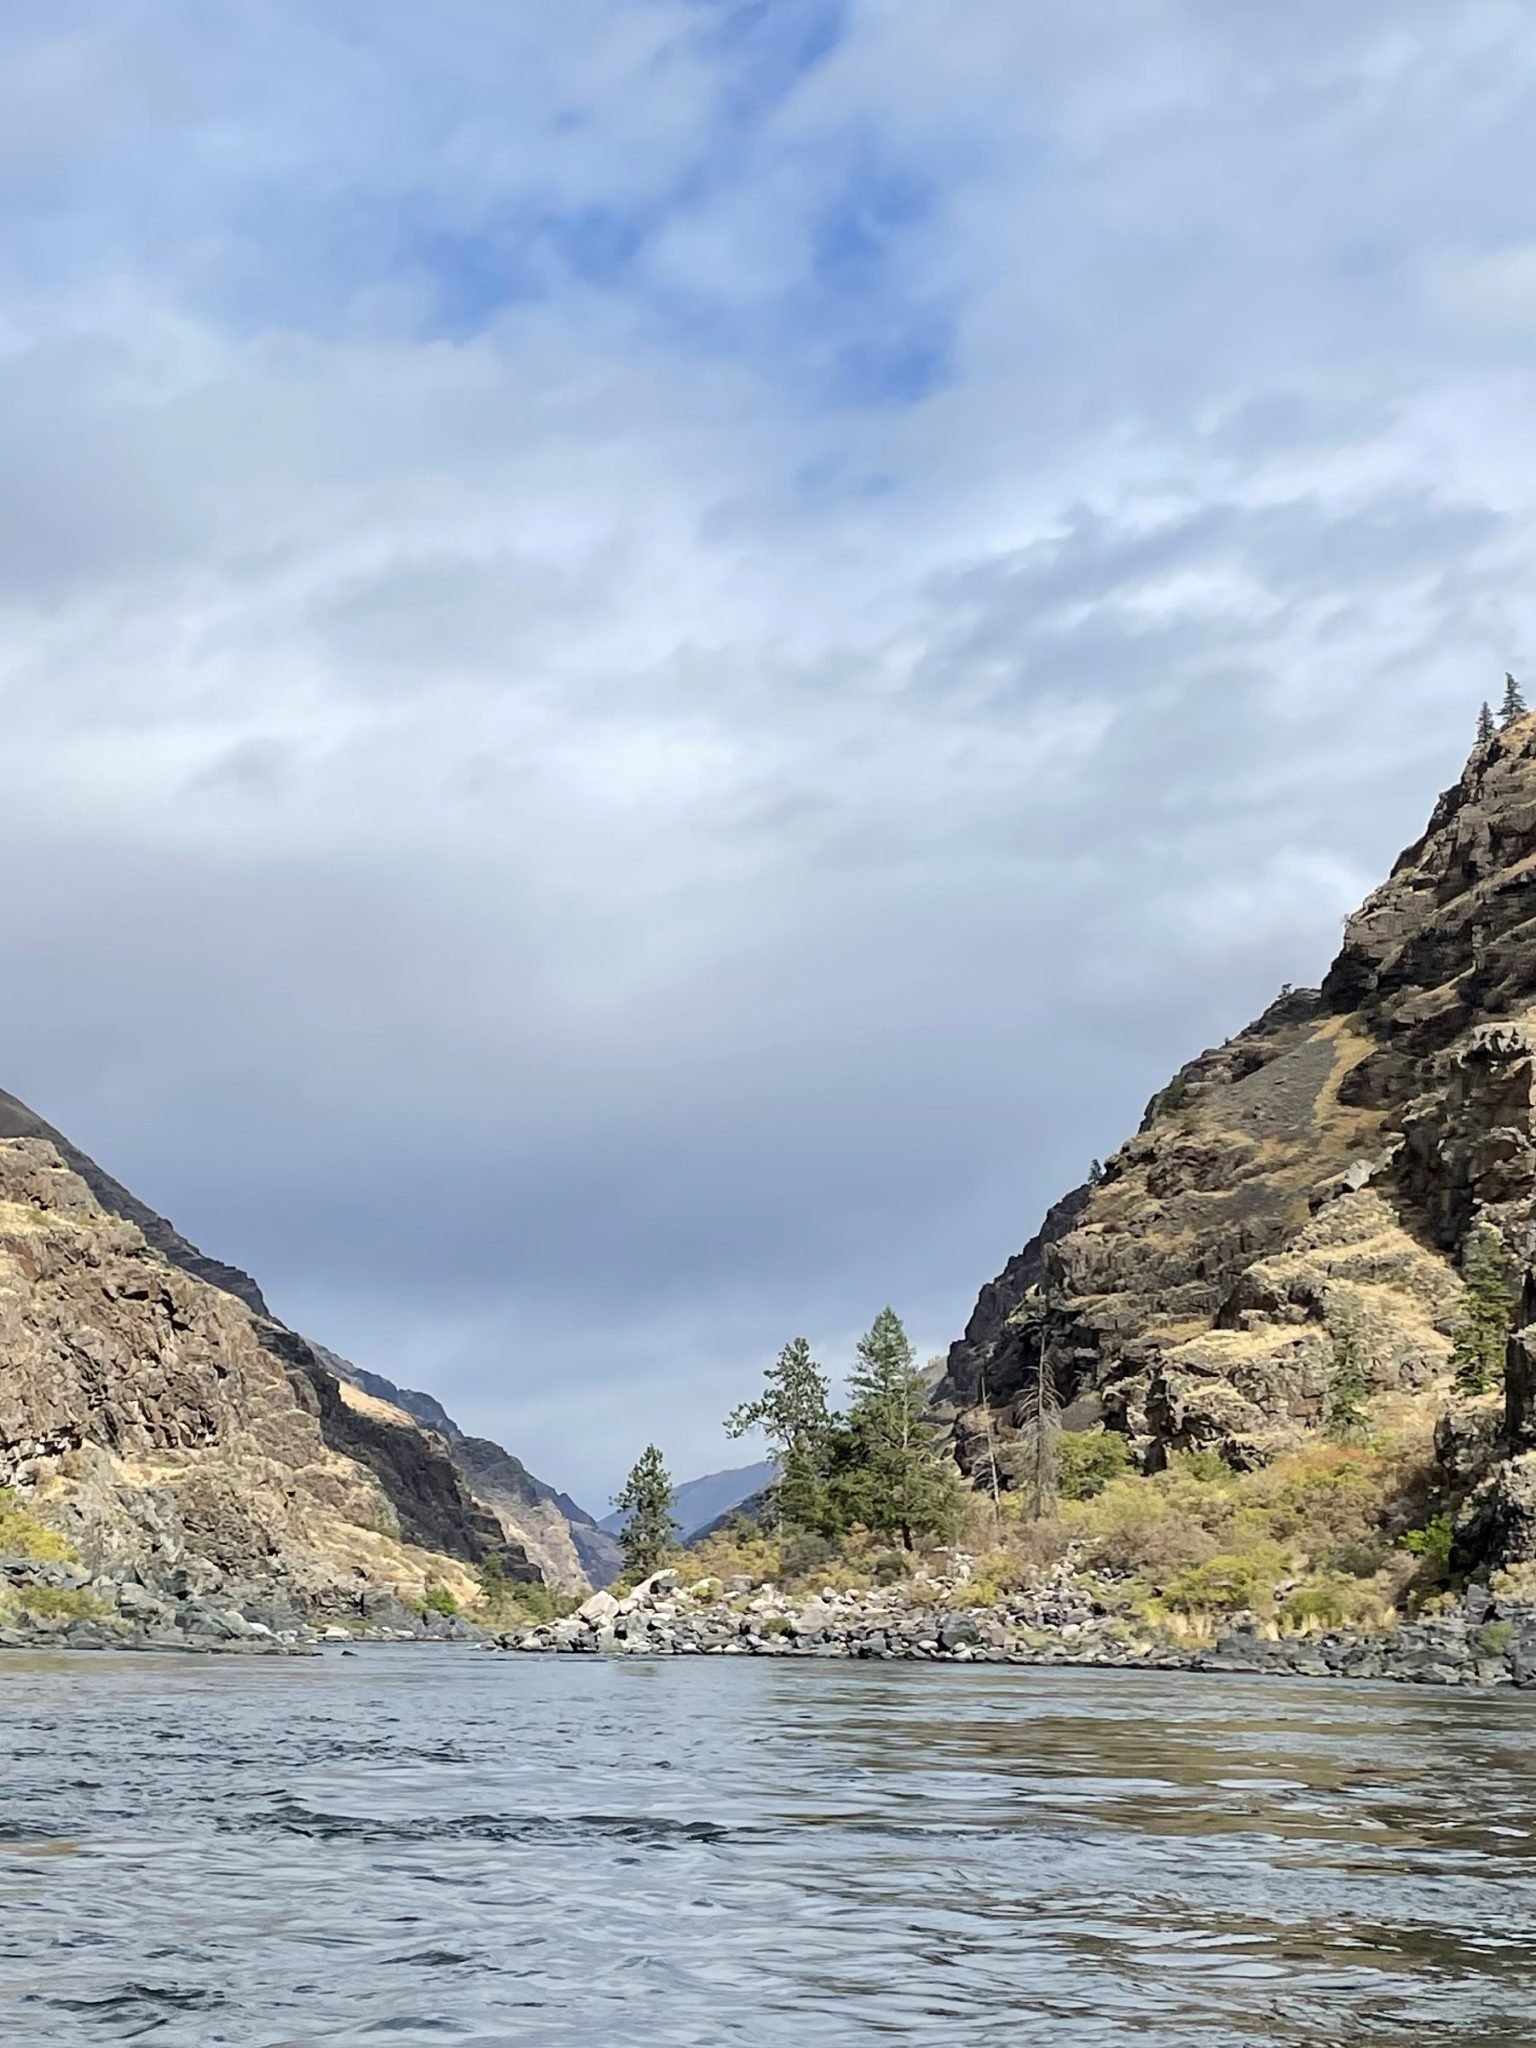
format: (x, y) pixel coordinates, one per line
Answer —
(1344, 1414)
(1480, 1334)
(1485, 725)
(792, 1413)
(649, 1535)
(891, 1472)
(1513, 706)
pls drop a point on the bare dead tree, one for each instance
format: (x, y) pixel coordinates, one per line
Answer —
(1034, 1458)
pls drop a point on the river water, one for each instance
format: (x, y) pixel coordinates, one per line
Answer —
(424, 1845)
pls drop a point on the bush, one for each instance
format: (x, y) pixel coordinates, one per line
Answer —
(776, 1625)
(1494, 1639)
(544, 1603)
(1087, 1460)
(889, 1567)
(1224, 1584)
(1327, 1601)
(1133, 1526)
(1432, 1544)
(60, 1603)
(803, 1553)
(438, 1600)
(741, 1551)
(1205, 1467)
(23, 1535)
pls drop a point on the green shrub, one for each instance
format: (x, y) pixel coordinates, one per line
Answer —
(1224, 1584)
(61, 1603)
(1494, 1639)
(438, 1600)
(1328, 1600)
(889, 1567)
(803, 1553)
(777, 1625)
(1087, 1460)
(1205, 1467)
(1433, 1543)
(23, 1535)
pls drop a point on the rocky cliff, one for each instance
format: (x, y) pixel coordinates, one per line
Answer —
(167, 1429)
(1310, 1185)
(554, 1536)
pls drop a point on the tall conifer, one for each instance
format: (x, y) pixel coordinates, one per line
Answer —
(649, 1535)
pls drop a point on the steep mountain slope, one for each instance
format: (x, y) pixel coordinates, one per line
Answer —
(165, 1426)
(1312, 1182)
(700, 1502)
(17, 1121)
(570, 1549)
(560, 1538)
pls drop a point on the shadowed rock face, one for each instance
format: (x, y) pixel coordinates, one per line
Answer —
(561, 1538)
(158, 1420)
(1318, 1173)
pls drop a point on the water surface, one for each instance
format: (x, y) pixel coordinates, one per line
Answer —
(434, 1846)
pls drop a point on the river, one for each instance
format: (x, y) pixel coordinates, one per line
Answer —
(436, 1846)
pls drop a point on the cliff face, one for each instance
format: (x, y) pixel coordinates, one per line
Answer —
(165, 1427)
(561, 1538)
(553, 1537)
(1313, 1179)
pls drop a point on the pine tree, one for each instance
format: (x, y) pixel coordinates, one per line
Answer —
(1480, 1334)
(793, 1414)
(1485, 725)
(1344, 1413)
(649, 1535)
(895, 1475)
(1513, 706)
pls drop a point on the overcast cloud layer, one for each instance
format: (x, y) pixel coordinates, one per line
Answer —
(659, 657)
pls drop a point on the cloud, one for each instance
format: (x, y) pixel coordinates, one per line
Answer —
(660, 664)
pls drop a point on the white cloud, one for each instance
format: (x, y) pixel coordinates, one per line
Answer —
(649, 705)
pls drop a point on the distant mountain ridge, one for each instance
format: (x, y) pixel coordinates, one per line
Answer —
(570, 1548)
(699, 1502)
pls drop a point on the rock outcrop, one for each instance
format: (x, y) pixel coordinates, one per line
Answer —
(1307, 1186)
(174, 1434)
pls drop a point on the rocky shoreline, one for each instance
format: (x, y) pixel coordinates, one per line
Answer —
(193, 1610)
(1484, 1641)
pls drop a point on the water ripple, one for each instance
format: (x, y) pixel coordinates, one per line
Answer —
(437, 1847)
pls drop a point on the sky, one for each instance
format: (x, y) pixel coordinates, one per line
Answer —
(659, 657)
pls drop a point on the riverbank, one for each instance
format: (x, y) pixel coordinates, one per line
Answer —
(1482, 1641)
(50, 1605)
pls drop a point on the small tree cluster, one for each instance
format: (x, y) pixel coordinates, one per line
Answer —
(1480, 1334)
(1513, 706)
(881, 1466)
